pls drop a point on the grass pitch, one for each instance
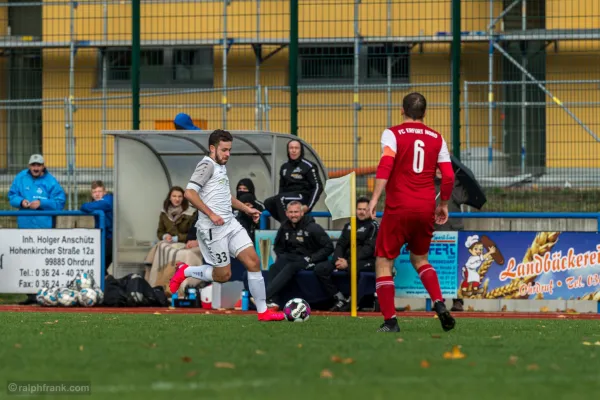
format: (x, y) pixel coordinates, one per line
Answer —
(163, 356)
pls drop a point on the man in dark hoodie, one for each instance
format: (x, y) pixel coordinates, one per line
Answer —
(366, 235)
(300, 244)
(298, 181)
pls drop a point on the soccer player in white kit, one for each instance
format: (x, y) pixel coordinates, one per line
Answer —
(220, 235)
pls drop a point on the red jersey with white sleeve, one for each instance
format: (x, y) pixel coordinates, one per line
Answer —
(411, 153)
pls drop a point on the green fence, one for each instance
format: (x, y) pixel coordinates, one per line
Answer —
(524, 116)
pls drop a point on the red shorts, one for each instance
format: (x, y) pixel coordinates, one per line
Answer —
(413, 229)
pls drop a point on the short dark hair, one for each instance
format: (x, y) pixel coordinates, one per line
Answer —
(414, 105)
(98, 184)
(362, 199)
(219, 136)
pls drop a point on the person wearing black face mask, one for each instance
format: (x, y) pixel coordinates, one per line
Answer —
(298, 181)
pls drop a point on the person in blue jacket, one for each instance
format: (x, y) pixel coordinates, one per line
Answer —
(102, 201)
(183, 122)
(36, 189)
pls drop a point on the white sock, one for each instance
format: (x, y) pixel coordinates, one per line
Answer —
(202, 272)
(256, 284)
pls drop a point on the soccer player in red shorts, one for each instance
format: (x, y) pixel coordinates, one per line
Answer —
(411, 153)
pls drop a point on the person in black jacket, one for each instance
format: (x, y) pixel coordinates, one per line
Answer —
(244, 219)
(298, 181)
(300, 244)
(366, 236)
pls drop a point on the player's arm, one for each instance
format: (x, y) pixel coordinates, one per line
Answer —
(384, 169)
(200, 177)
(445, 165)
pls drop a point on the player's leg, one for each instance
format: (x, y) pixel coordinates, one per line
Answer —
(242, 248)
(418, 246)
(215, 253)
(387, 247)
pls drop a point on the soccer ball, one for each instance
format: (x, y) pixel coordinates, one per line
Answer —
(84, 281)
(67, 297)
(88, 297)
(99, 296)
(47, 297)
(296, 310)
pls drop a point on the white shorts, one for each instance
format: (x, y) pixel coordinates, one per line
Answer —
(219, 243)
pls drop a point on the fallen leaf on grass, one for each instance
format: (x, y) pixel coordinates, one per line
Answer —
(326, 374)
(50, 322)
(336, 359)
(512, 360)
(41, 333)
(555, 367)
(597, 344)
(424, 364)
(347, 361)
(224, 365)
(533, 367)
(544, 309)
(299, 345)
(186, 359)
(436, 336)
(108, 319)
(81, 348)
(152, 345)
(472, 364)
(18, 346)
(435, 316)
(157, 313)
(260, 352)
(586, 343)
(496, 337)
(399, 340)
(191, 374)
(455, 354)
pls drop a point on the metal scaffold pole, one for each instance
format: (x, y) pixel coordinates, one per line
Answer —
(523, 89)
(104, 84)
(135, 63)
(389, 49)
(257, 60)
(356, 83)
(490, 85)
(293, 67)
(224, 100)
(456, 49)
(70, 111)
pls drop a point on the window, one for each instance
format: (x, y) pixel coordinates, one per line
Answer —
(334, 64)
(377, 63)
(191, 67)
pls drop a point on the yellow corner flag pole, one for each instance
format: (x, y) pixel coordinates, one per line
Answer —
(353, 272)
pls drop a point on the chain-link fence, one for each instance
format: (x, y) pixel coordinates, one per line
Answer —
(529, 81)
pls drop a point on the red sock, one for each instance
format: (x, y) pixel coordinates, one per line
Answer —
(385, 295)
(430, 282)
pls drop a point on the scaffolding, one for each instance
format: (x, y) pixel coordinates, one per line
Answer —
(492, 36)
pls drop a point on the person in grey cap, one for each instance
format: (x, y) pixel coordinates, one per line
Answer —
(35, 188)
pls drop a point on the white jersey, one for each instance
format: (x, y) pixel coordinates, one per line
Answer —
(212, 184)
